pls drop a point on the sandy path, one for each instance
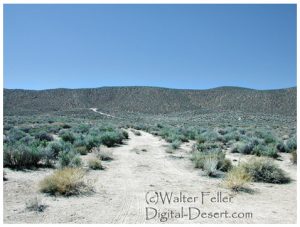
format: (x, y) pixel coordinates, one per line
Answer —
(122, 186)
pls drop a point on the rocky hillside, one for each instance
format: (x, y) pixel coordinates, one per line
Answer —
(151, 100)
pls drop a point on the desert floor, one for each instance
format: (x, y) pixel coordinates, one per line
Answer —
(142, 167)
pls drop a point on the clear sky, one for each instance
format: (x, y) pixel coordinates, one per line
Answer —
(175, 46)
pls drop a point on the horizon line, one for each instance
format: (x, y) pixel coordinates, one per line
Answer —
(144, 86)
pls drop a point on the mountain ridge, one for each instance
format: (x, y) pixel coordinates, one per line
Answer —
(151, 100)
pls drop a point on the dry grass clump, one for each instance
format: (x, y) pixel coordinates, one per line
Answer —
(95, 163)
(67, 181)
(237, 178)
(103, 153)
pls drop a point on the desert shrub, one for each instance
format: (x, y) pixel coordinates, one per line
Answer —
(224, 165)
(294, 157)
(176, 144)
(265, 150)
(210, 166)
(265, 170)
(231, 136)
(200, 158)
(137, 133)
(110, 139)
(291, 144)
(55, 148)
(44, 136)
(92, 141)
(103, 153)
(68, 157)
(281, 147)
(95, 163)
(82, 128)
(81, 150)
(125, 134)
(67, 136)
(203, 147)
(267, 136)
(237, 178)
(20, 156)
(242, 147)
(15, 134)
(67, 182)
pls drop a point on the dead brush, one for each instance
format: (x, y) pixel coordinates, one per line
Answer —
(67, 182)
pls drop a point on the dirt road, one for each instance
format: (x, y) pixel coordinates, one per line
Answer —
(142, 167)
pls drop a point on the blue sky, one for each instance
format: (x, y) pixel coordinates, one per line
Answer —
(176, 46)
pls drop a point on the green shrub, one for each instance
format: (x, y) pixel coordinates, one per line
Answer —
(20, 156)
(92, 141)
(44, 136)
(67, 136)
(265, 150)
(110, 139)
(291, 144)
(55, 148)
(81, 150)
(176, 144)
(243, 148)
(15, 134)
(68, 157)
(265, 170)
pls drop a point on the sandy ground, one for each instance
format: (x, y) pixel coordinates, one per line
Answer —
(139, 169)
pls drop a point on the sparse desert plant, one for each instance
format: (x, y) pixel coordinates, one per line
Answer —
(35, 204)
(294, 157)
(81, 150)
(68, 157)
(137, 133)
(103, 153)
(176, 144)
(237, 178)
(67, 182)
(291, 144)
(210, 166)
(95, 163)
(200, 158)
(224, 165)
(265, 170)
